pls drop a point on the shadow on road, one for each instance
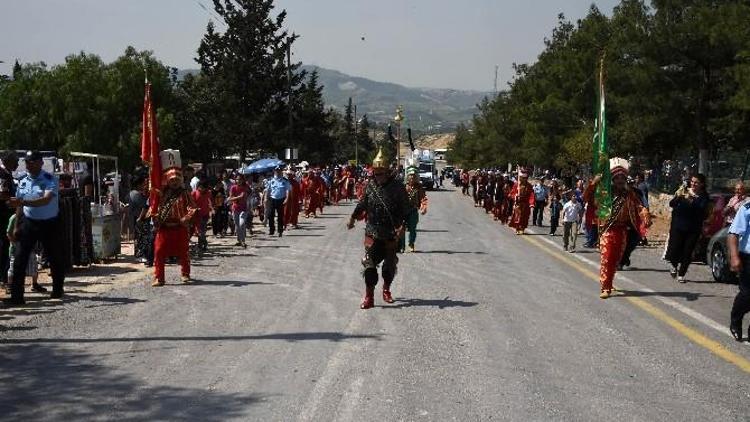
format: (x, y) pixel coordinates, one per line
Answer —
(432, 231)
(227, 283)
(688, 296)
(437, 303)
(452, 252)
(290, 337)
(42, 382)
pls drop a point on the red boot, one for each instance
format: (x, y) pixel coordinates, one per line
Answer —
(369, 299)
(387, 297)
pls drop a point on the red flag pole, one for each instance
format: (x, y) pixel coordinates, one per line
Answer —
(150, 150)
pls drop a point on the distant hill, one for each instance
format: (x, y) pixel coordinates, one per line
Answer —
(426, 109)
(430, 110)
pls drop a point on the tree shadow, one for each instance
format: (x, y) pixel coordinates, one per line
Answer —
(17, 328)
(334, 337)
(438, 303)
(453, 252)
(226, 283)
(46, 382)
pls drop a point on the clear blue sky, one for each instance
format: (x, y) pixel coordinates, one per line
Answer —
(429, 43)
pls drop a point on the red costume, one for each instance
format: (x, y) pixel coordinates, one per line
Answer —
(311, 189)
(172, 221)
(292, 207)
(523, 200)
(627, 211)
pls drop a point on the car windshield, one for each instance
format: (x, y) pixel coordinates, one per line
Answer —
(423, 168)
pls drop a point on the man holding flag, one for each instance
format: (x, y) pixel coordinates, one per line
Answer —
(618, 207)
(170, 205)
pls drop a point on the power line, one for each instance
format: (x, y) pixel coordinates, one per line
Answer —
(211, 13)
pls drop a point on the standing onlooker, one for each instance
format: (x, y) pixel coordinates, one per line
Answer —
(221, 211)
(228, 182)
(571, 216)
(739, 261)
(137, 206)
(642, 189)
(278, 192)
(238, 198)
(37, 199)
(144, 232)
(540, 201)
(734, 203)
(689, 209)
(555, 208)
(7, 191)
(633, 236)
(202, 198)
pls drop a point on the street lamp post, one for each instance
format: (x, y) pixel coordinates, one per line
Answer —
(398, 119)
(356, 138)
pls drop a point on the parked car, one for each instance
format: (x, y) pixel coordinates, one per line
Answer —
(717, 257)
(712, 225)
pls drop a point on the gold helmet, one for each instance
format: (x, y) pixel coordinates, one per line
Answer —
(380, 162)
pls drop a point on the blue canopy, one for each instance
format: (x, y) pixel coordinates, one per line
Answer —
(262, 166)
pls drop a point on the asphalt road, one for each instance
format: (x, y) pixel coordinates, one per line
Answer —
(487, 326)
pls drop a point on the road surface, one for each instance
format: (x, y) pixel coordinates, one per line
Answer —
(487, 326)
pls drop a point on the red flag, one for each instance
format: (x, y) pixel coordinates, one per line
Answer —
(150, 149)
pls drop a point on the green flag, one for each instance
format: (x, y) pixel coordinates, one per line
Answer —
(601, 153)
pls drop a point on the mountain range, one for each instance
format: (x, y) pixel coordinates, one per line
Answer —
(427, 110)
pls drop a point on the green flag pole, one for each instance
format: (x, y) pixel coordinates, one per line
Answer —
(601, 151)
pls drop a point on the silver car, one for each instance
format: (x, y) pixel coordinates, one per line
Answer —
(717, 257)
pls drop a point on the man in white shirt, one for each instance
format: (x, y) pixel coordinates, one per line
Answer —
(571, 216)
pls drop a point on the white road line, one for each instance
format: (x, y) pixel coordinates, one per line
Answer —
(641, 288)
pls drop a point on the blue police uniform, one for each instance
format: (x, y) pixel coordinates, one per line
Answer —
(278, 187)
(39, 224)
(741, 228)
(31, 188)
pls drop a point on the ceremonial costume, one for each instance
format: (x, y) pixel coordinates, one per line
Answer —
(627, 211)
(172, 221)
(417, 204)
(523, 200)
(292, 207)
(311, 189)
(384, 205)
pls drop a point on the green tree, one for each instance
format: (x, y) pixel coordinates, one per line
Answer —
(246, 65)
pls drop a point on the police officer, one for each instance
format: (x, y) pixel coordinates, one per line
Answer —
(278, 189)
(739, 261)
(37, 210)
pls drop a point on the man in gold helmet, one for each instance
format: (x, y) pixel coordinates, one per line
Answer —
(384, 205)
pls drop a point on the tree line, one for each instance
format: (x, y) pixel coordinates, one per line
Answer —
(247, 98)
(677, 81)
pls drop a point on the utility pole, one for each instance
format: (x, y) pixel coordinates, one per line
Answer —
(496, 69)
(289, 92)
(356, 138)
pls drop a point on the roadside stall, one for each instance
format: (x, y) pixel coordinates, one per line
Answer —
(104, 201)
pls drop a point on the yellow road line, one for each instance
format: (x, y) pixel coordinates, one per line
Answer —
(691, 334)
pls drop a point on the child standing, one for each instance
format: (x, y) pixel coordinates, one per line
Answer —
(32, 268)
(571, 216)
(555, 208)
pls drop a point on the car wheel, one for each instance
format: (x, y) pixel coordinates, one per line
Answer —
(719, 264)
